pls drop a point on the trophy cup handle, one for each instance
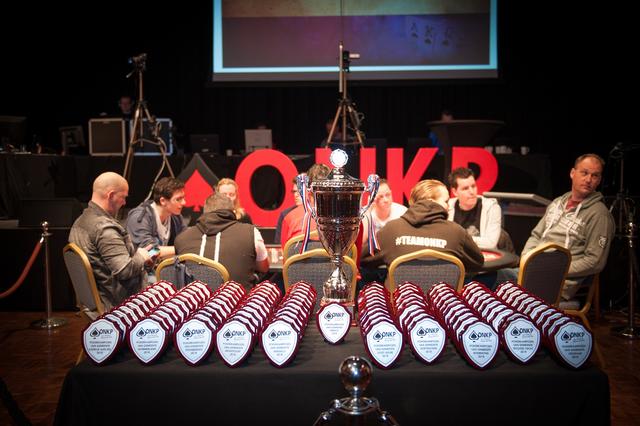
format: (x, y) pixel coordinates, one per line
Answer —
(302, 181)
(373, 182)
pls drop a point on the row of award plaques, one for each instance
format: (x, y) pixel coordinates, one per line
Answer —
(196, 320)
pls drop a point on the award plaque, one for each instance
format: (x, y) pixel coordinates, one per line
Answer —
(234, 342)
(522, 339)
(193, 341)
(573, 343)
(383, 343)
(480, 344)
(100, 340)
(337, 210)
(427, 339)
(280, 343)
(333, 321)
(148, 340)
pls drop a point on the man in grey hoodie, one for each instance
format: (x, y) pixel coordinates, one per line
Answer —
(579, 221)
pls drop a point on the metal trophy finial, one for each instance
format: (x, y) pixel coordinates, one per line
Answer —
(338, 158)
(355, 373)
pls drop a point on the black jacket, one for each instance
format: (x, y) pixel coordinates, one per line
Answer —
(237, 245)
(425, 225)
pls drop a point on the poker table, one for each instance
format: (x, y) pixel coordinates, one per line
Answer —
(497, 259)
(447, 392)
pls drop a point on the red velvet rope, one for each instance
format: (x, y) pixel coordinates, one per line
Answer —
(25, 271)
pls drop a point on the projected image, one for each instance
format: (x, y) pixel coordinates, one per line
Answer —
(298, 39)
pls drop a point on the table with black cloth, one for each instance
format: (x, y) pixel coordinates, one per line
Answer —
(448, 392)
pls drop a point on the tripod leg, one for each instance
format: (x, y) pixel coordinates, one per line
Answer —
(333, 125)
(128, 163)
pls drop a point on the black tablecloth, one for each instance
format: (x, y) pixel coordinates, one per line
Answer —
(449, 392)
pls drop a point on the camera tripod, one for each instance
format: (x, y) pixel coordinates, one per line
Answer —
(346, 111)
(137, 137)
(624, 208)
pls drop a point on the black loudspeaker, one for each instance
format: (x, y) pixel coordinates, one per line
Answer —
(106, 136)
(59, 212)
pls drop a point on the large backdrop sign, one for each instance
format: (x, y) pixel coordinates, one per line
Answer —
(400, 181)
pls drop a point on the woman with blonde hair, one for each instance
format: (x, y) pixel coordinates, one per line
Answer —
(229, 188)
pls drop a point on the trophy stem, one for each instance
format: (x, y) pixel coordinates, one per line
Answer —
(337, 288)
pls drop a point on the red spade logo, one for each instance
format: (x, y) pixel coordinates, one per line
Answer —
(196, 191)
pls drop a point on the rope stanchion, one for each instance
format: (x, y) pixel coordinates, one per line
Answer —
(25, 271)
(49, 322)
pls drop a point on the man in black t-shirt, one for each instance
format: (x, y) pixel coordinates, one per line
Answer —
(481, 217)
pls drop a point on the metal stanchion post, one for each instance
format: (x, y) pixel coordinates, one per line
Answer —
(49, 322)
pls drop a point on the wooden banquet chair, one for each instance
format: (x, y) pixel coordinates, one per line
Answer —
(315, 266)
(587, 290)
(543, 271)
(84, 284)
(182, 269)
(425, 268)
(292, 247)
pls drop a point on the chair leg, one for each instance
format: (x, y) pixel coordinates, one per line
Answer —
(80, 357)
(596, 347)
(596, 299)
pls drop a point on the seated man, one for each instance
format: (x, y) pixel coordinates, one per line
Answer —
(292, 223)
(117, 266)
(297, 202)
(157, 222)
(481, 217)
(579, 221)
(425, 225)
(218, 235)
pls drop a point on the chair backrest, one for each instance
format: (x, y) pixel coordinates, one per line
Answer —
(425, 268)
(195, 267)
(292, 247)
(315, 267)
(543, 271)
(83, 281)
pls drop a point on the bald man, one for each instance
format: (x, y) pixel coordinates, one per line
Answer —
(117, 266)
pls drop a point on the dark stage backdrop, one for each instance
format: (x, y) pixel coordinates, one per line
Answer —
(565, 79)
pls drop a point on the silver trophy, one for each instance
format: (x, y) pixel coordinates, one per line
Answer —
(337, 211)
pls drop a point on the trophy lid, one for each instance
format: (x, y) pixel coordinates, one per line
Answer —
(338, 179)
